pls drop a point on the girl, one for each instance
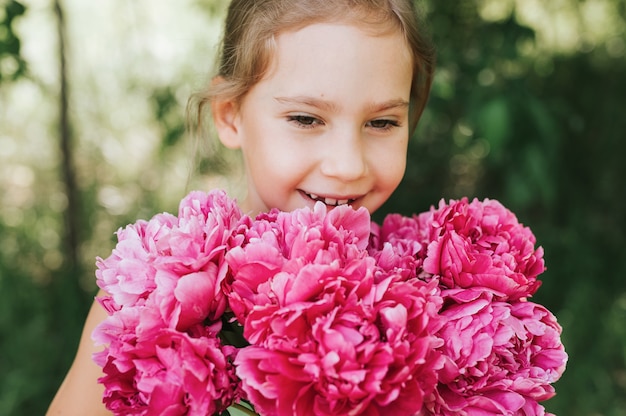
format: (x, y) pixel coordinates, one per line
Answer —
(321, 98)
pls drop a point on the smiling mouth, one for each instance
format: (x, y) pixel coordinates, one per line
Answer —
(330, 201)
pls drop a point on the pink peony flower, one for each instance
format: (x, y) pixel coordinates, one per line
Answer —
(399, 245)
(331, 332)
(280, 247)
(500, 358)
(127, 275)
(371, 354)
(177, 260)
(481, 244)
(400, 232)
(163, 281)
(170, 373)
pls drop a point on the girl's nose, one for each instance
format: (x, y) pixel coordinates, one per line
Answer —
(344, 157)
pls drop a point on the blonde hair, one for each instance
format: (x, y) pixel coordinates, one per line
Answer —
(252, 25)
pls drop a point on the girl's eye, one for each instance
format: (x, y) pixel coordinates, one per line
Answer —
(305, 121)
(383, 124)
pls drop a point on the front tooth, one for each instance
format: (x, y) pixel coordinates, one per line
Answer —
(330, 201)
(342, 202)
(313, 196)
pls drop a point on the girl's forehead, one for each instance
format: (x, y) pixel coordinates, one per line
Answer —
(369, 25)
(327, 58)
(347, 32)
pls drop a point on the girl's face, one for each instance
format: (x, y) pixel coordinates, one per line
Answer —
(329, 122)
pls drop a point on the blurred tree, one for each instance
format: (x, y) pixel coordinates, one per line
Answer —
(66, 146)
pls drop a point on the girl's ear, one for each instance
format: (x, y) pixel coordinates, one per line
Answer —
(225, 118)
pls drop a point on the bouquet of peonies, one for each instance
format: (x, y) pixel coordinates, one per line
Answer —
(317, 312)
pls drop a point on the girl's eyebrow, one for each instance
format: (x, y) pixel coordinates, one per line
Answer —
(308, 101)
(388, 105)
(330, 106)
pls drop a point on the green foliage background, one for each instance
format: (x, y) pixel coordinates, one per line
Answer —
(538, 127)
